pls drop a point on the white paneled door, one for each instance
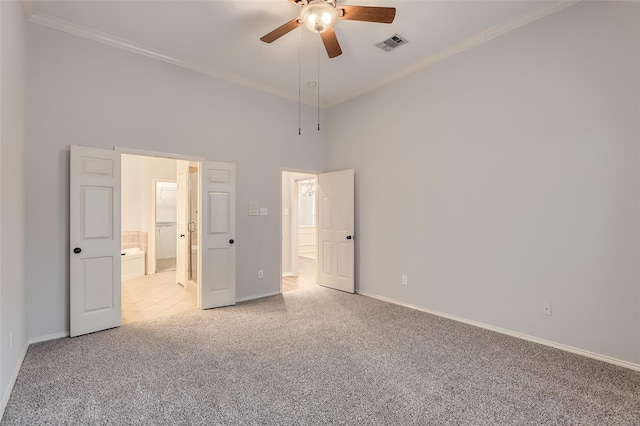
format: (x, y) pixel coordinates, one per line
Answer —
(182, 171)
(336, 230)
(95, 302)
(217, 249)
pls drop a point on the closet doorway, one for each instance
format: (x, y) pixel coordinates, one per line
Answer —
(165, 226)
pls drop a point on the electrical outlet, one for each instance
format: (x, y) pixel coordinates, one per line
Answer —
(264, 211)
(546, 308)
(11, 338)
(404, 280)
(260, 273)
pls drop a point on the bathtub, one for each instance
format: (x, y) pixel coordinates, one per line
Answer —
(132, 264)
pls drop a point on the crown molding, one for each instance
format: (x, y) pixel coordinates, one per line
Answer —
(110, 40)
(29, 9)
(459, 47)
(120, 43)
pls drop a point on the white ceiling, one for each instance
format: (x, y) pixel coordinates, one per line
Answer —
(221, 38)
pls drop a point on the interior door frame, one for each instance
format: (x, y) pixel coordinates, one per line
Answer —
(306, 172)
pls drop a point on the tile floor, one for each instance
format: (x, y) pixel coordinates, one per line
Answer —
(153, 296)
(307, 270)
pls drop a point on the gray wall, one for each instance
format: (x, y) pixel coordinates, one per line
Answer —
(13, 309)
(508, 176)
(85, 93)
(498, 179)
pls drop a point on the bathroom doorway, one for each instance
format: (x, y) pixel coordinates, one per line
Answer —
(150, 226)
(109, 191)
(299, 233)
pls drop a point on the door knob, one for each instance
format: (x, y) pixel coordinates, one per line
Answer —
(77, 250)
(181, 235)
(231, 241)
(348, 237)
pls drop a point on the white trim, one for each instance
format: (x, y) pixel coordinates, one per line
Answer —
(29, 8)
(461, 46)
(48, 337)
(158, 154)
(511, 333)
(110, 40)
(299, 171)
(113, 41)
(257, 296)
(12, 380)
(14, 376)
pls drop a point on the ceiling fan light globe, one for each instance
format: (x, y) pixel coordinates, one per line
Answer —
(327, 18)
(319, 17)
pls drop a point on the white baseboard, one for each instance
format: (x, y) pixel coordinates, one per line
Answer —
(258, 296)
(522, 336)
(48, 337)
(12, 381)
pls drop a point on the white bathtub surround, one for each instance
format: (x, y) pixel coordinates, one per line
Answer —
(132, 239)
(132, 263)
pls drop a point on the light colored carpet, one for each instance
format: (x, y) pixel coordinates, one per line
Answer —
(314, 356)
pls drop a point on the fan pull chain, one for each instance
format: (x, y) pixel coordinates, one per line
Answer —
(318, 83)
(299, 82)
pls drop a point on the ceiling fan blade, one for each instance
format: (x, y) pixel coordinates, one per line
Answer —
(280, 31)
(384, 15)
(331, 43)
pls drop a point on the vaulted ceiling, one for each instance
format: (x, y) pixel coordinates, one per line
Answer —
(222, 38)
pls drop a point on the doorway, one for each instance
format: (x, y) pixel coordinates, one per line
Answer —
(149, 211)
(299, 231)
(165, 225)
(95, 219)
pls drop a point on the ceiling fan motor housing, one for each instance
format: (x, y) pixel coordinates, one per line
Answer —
(319, 15)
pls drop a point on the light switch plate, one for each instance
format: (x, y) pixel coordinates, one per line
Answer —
(253, 209)
(263, 211)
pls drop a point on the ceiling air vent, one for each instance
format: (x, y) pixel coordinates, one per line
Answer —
(392, 43)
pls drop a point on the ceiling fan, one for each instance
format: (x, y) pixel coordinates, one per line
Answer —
(319, 16)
